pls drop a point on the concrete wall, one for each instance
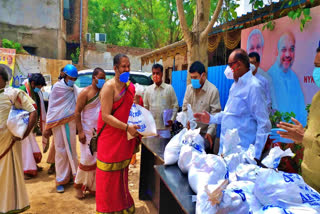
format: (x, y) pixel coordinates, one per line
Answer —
(26, 64)
(104, 60)
(101, 55)
(34, 23)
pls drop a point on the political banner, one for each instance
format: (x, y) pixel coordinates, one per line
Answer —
(7, 61)
(287, 60)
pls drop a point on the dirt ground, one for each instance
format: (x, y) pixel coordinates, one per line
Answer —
(44, 199)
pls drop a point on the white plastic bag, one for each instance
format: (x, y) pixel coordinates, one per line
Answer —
(143, 118)
(193, 145)
(230, 144)
(274, 157)
(184, 117)
(244, 189)
(247, 172)
(172, 150)
(205, 170)
(209, 197)
(167, 115)
(271, 209)
(17, 122)
(139, 89)
(284, 190)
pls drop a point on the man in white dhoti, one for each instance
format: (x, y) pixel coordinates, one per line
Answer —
(87, 112)
(31, 154)
(13, 193)
(61, 123)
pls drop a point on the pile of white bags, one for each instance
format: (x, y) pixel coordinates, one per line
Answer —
(233, 183)
(144, 119)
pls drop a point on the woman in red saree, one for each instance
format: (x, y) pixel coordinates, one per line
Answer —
(114, 150)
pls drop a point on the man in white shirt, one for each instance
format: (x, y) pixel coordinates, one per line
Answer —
(254, 59)
(202, 95)
(246, 108)
(160, 99)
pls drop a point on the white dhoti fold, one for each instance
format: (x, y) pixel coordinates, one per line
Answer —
(31, 154)
(66, 153)
(60, 118)
(86, 174)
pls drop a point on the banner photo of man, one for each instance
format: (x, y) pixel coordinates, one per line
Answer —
(286, 60)
(7, 61)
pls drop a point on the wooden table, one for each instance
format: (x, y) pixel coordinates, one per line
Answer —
(175, 192)
(152, 153)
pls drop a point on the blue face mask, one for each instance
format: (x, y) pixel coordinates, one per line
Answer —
(70, 83)
(100, 83)
(316, 76)
(36, 90)
(124, 77)
(195, 83)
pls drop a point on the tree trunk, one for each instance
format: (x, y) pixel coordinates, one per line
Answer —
(197, 51)
(197, 39)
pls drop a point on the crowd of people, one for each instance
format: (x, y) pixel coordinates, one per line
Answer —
(104, 107)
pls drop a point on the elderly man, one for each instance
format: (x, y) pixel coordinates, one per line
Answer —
(160, 98)
(31, 154)
(288, 96)
(202, 95)
(61, 122)
(246, 109)
(87, 112)
(13, 193)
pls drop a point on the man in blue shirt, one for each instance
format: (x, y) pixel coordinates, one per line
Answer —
(287, 96)
(246, 108)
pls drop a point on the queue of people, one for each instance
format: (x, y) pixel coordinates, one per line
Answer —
(105, 107)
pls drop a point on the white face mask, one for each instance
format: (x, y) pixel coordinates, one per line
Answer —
(229, 73)
(252, 67)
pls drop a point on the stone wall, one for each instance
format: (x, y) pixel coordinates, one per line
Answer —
(34, 23)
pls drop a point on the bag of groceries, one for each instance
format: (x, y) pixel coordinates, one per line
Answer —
(144, 119)
(17, 122)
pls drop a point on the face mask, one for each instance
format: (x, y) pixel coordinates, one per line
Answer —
(229, 73)
(156, 78)
(316, 76)
(70, 83)
(124, 77)
(252, 67)
(195, 83)
(100, 83)
(36, 90)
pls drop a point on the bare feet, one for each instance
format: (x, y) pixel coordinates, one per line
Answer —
(79, 194)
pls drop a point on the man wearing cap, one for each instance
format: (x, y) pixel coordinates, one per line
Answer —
(61, 123)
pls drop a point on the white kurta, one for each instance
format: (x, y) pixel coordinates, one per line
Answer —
(86, 174)
(60, 119)
(246, 110)
(13, 193)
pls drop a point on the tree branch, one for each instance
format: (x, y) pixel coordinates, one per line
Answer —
(214, 18)
(183, 22)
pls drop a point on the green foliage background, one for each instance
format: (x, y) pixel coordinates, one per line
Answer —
(146, 24)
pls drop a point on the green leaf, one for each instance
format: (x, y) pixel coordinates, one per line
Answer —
(308, 18)
(312, 1)
(291, 14)
(306, 11)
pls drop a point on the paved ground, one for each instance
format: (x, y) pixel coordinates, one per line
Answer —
(44, 199)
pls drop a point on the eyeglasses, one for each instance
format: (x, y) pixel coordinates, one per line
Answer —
(232, 63)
